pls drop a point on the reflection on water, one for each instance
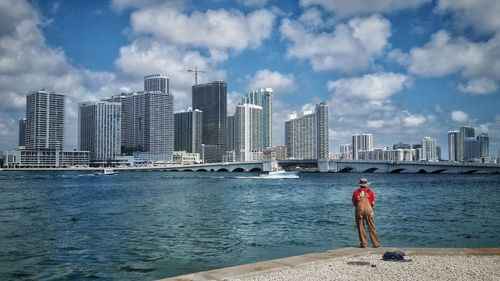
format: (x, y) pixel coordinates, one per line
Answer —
(147, 225)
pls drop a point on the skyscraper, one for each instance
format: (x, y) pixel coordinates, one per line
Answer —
(99, 130)
(230, 133)
(44, 120)
(156, 83)
(301, 138)
(248, 132)
(429, 152)
(188, 131)
(148, 122)
(22, 132)
(263, 98)
(211, 98)
(453, 144)
(361, 142)
(484, 145)
(322, 130)
(465, 132)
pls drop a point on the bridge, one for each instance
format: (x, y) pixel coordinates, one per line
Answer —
(347, 166)
(332, 166)
(218, 167)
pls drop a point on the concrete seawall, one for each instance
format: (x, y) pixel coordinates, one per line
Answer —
(366, 264)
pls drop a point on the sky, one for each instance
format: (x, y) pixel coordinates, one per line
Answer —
(400, 70)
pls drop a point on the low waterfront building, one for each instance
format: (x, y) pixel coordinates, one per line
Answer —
(46, 158)
(146, 158)
(387, 155)
(186, 158)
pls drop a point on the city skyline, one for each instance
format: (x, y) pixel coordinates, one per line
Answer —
(403, 84)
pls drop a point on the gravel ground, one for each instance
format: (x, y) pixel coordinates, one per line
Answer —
(371, 267)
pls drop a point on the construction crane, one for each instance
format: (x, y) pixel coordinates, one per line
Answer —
(195, 70)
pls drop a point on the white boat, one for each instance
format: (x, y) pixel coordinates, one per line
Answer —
(276, 171)
(107, 172)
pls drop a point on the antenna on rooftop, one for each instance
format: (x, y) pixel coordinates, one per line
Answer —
(195, 70)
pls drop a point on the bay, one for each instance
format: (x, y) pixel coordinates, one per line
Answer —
(150, 225)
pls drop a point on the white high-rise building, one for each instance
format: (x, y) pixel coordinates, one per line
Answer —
(306, 137)
(148, 123)
(157, 83)
(429, 151)
(248, 132)
(361, 142)
(99, 130)
(453, 144)
(44, 120)
(301, 136)
(264, 98)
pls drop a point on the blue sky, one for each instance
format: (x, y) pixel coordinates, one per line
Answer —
(401, 70)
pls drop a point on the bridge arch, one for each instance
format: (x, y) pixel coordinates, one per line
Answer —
(187, 170)
(238, 170)
(370, 170)
(422, 171)
(202, 170)
(470, 171)
(255, 170)
(222, 170)
(396, 171)
(439, 171)
(346, 170)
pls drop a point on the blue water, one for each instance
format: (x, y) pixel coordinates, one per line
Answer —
(149, 225)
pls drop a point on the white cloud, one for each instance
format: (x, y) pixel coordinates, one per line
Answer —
(482, 16)
(27, 63)
(233, 98)
(144, 56)
(479, 86)
(120, 5)
(376, 86)
(253, 3)
(459, 116)
(280, 83)
(342, 8)
(350, 47)
(312, 18)
(219, 29)
(375, 124)
(440, 57)
(414, 120)
(477, 62)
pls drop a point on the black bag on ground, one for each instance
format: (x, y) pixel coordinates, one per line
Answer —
(394, 256)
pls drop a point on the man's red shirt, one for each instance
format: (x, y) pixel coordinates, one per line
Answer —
(357, 193)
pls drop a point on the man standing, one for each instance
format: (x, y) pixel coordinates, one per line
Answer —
(363, 199)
